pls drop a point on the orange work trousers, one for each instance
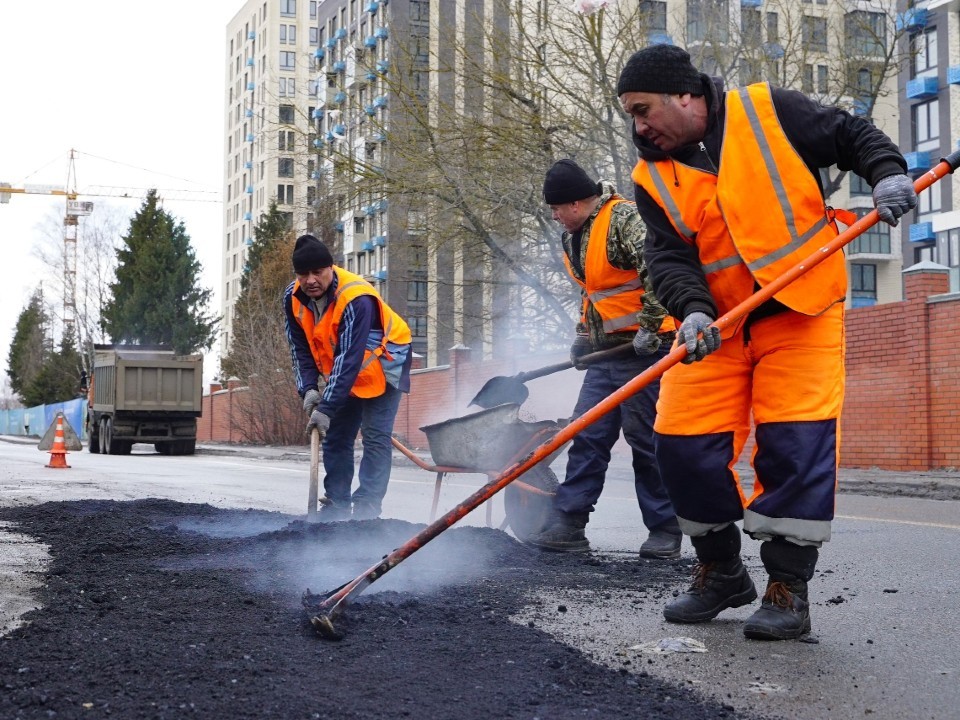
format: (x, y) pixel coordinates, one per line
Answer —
(788, 371)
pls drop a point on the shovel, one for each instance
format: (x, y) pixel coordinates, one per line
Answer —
(336, 602)
(503, 389)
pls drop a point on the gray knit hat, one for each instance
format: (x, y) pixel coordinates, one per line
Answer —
(660, 69)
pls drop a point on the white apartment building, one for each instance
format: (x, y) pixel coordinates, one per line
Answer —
(270, 97)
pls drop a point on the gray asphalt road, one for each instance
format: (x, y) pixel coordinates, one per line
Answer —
(883, 609)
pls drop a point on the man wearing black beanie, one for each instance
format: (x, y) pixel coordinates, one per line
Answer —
(351, 359)
(728, 184)
(603, 252)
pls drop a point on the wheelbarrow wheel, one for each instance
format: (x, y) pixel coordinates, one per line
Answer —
(527, 511)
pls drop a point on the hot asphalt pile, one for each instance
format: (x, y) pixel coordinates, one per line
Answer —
(158, 609)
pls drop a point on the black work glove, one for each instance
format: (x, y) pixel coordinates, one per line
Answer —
(646, 342)
(892, 197)
(581, 346)
(698, 347)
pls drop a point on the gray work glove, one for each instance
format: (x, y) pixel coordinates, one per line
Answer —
(319, 421)
(893, 196)
(698, 347)
(646, 342)
(310, 401)
(581, 346)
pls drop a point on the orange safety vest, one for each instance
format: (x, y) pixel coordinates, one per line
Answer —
(763, 213)
(322, 335)
(615, 293)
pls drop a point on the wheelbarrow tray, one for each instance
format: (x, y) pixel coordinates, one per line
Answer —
(485, 441)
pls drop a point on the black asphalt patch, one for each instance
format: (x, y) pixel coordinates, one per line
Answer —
(157, 609)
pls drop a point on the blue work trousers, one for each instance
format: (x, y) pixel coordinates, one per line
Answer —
(589, 454)
(373, 419)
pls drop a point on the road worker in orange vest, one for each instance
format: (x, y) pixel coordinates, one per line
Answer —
(351, 359)
(603, 250)
(728, 184)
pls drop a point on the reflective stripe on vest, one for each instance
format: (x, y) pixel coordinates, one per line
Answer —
(749, 227)
(616, 294)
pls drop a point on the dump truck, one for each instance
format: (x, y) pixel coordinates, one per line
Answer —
(143, 394)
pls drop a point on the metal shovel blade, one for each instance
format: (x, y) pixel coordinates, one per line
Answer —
(502, 389)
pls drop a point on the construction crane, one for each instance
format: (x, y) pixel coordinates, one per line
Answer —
(75, 209)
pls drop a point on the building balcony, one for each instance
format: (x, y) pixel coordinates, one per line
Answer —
(366, 245)
(331, 43)
(370, 110)
(383, 66)
(248, 241)
(379, 101)
(381, 33)
(380, 241)
(751, 3)
(318, 113)
(912, 20)
(249, 62)
(251, 35)
(339, 66)
(370, 42)
(248, 216)
(341, 34)
(251, 86)
(380, 274)
(659, 38)
(923, 88)
(249, 189)
(373, 7)
(922, 232)
(338, 226)
(340, 97)
(953, 75)
(773, 50)
(861, 106)
(917, 162)
(250, 137)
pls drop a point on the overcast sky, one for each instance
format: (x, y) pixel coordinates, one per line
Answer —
(137, 89)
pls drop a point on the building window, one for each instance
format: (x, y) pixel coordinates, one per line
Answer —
(708, 18)
(288, 8)
(285, 167)
(654, 14)
(875, 241)
(285, 195)
(417, 291)
(286, 87)
(314, 36)
(773, 27)
(286, 114)
(865, 33)
(418, 325)
(926, 125)
(923, 48)
(283, 34)
(313, 9)
(285, 140)
(288, 60)
(311, 195)
(859, 186)
(863, 284)
(815, 79)
(358, 225)
(815, 33)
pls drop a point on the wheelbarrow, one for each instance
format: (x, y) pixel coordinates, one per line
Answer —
(487, 442)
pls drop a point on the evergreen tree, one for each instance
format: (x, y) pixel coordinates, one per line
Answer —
(29, 347)
(58, 379)
(155, 299)
(272, 226)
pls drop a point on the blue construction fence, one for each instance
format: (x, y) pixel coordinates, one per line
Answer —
(33, 422)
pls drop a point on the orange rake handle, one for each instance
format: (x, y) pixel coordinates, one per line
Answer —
(335, 603)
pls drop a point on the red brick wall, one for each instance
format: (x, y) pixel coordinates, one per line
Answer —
(902, 409)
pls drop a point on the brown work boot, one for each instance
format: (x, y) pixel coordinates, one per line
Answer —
(565, 532)
(784, 613)
(716, 586)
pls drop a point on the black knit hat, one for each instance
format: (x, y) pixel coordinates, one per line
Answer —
(660, 69)
(566, 182)
(310, 254)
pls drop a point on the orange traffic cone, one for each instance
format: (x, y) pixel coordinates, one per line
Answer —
(58, 453)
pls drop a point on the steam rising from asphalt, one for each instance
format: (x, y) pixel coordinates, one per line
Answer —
(291, 557)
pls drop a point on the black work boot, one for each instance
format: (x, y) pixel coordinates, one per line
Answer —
(365, 510)
(662, 545)
(331, 511)
(784, 613)
(565, 532)
(716, 586)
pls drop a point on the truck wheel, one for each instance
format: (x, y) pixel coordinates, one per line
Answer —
(104, 445)
(93, 441)
(164, 448)
(122, 447)
(110, 446)
(186, 447)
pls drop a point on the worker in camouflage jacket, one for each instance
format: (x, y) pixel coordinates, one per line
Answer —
(603, 251)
